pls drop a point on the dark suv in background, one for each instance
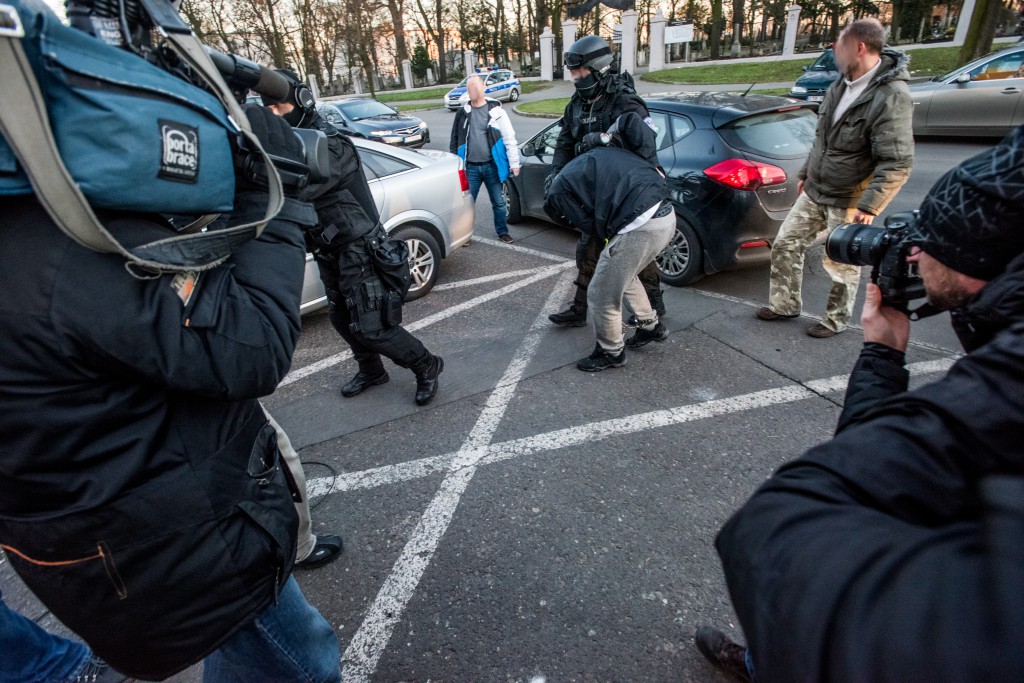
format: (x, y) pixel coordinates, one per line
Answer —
(731, 162)
(817, 78)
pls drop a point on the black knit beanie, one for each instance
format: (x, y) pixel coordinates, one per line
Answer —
(972, 219)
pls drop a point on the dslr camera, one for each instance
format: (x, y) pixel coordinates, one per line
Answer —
(885, 250)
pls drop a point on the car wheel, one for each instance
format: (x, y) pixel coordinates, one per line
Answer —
(513, 96)
(424, 259)
(682, 261)
(513, 209)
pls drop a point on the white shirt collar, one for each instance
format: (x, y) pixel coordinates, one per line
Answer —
(866, 78)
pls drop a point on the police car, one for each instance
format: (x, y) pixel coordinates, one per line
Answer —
(500, 84)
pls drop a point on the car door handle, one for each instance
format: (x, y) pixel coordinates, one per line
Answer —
(1009, 91)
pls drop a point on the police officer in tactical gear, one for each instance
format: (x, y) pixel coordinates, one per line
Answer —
(364, 311)
(600, 99)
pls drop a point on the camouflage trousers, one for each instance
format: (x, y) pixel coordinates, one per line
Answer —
(806, 221)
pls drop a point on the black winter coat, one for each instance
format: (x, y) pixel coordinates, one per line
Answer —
(137, 460)
(603, 190)
(895, 551)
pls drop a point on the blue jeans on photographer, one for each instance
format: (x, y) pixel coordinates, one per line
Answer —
(289, 641)
(29, 654)
(487, 174)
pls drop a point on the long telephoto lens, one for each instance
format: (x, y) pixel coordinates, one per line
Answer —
(858, 244)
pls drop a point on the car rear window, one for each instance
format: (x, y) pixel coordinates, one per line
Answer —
(777, 134)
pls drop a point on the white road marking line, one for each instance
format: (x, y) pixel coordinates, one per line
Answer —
(525, 250)
(595, 431)
(368, 644)
(330, 361)
(952, 353)
(487, 278)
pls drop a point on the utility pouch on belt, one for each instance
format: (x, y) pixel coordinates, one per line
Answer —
(390, 259)
(372, 307)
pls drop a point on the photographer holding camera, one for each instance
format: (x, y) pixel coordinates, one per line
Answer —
(862, 155)
(142, 494)
(365, 308)
(895, 551)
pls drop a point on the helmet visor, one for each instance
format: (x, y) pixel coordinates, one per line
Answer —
(573, 60)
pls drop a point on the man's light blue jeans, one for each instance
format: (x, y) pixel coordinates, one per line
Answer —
(487, 174)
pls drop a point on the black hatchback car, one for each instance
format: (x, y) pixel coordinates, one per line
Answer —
(731, 163)
(363, 117)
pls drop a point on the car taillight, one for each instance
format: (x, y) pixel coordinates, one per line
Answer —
(745, 175)
(463, 180)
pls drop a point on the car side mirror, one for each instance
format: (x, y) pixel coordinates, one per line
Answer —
(804, 68)
(529, 150)
(963, 78)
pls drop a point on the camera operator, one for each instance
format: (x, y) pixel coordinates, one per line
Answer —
(895, 551)
(364, 311)
(599, 99)
(142, 497)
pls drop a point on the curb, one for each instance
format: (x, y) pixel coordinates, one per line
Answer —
(531, 115)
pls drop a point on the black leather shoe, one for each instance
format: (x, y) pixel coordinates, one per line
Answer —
(570, 317)
(601, 360)
(726, 655)
(326, 550)
(361, 381)
(426, 380)
(644, 337)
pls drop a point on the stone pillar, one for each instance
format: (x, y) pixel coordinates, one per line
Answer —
(792, 26)
(407, 73)
(547, 45)
(735, 49)
(357, 80)
(658, 22)
(628, 47)
(469, 58)
(568, 38)
(963, 22)
(430, 77)
(314, 87)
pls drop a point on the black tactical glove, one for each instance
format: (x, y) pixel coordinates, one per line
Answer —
(284, 147)
(590, 141)
(548, 180)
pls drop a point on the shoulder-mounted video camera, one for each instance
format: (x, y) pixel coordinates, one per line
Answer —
(885, 249)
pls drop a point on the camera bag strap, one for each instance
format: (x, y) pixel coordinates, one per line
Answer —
(25, 125)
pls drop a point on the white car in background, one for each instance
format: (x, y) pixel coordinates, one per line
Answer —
(499, 84)
(423, 198)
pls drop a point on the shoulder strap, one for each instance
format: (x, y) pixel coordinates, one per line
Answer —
(25, 126)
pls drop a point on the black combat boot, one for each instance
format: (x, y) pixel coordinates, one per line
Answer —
(427, 371)
(362, 380)
(657, 299)
(643, 337)
(601, 360)
(726, 655)
(574, 316)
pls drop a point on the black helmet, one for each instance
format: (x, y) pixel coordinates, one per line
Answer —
(595, 54)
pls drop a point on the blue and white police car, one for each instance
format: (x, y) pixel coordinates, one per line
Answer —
(500, 84)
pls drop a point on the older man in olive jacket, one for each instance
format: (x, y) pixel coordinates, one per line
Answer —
(862, 154)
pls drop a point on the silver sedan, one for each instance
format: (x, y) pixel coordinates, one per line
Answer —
(980, 98)
(423, 198)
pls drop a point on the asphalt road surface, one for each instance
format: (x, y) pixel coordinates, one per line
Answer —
(537, 523)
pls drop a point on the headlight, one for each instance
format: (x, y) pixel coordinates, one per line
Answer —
(379, 132)
(798, 90)
(423, 125)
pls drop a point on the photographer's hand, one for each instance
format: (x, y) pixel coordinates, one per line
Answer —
(882, 324)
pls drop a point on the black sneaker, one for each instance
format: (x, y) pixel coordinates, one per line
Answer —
(326, 550)
(97, 671)
(570, 317)
(600, 360)
(726, 655)
(644, 337)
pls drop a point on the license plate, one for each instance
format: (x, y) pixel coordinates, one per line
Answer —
(815, 98)
(413, 138)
